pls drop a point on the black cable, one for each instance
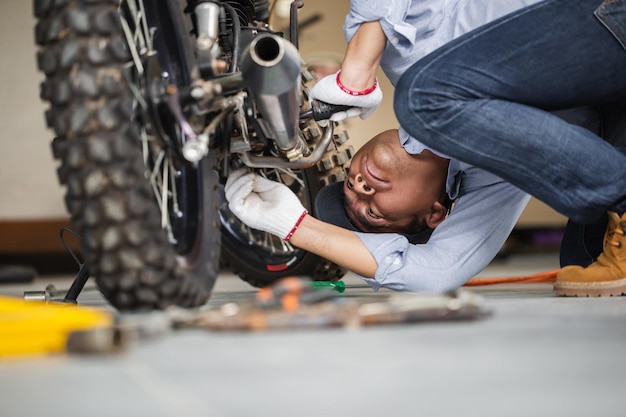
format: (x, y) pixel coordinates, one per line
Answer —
(67, 247)
(83, 273)
(234, 62)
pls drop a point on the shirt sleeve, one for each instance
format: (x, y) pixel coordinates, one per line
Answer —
(391, 14)
(459, 248)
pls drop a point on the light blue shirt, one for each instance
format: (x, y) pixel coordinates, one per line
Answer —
(486, 208)
(414, 28)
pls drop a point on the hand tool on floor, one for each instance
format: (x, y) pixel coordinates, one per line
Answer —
(36, 328)
(347, 313)
(338, 286)
(290, 293)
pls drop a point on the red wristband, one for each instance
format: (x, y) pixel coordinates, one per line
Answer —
(293, 229)
(355, 93)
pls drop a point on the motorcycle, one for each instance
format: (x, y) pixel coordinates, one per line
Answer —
(153, 104)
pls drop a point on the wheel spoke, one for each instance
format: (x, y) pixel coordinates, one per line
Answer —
(154, 178)
(173, 188)
(164, 188)
(139, 41)
(162, 174)
(132, 46)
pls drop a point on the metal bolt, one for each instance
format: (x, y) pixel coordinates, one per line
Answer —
(197, 93)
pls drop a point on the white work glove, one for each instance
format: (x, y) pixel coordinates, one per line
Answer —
(328, 90)
(263, 204)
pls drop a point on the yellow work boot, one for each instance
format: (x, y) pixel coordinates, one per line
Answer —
(607, 275)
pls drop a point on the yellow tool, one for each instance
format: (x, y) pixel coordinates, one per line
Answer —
(36, 328)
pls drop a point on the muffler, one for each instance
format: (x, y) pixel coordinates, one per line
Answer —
(271, 66)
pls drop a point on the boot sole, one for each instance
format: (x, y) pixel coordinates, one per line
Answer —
(591, 289)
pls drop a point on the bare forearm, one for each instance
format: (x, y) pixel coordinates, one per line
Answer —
(358, 70)
(338, 245)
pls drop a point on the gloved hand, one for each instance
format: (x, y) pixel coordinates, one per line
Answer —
(328, 89)
(263, 204)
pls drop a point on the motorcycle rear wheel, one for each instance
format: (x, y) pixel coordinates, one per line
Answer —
(260, 258)
(148, 220)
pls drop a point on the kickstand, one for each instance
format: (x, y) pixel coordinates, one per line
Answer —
(83, 273)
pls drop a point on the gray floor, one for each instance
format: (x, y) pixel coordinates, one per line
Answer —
(535, 355)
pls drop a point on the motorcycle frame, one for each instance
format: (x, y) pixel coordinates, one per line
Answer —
(223, 93)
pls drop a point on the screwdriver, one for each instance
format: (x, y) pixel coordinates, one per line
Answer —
(291, 292)
(338, 286)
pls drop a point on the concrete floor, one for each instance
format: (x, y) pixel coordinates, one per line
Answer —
(535, 355)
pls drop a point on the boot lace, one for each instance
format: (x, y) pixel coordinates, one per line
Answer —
(619, 231)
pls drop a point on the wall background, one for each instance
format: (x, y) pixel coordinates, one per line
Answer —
(28, 186)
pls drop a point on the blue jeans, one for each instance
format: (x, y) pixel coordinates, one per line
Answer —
(487, 99)
(493, 97)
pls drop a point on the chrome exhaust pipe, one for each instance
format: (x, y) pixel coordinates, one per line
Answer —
(271, 66)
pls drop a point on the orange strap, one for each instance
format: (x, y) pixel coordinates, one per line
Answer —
(548, 276)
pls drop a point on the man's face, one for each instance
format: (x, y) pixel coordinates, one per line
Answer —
(389, 190)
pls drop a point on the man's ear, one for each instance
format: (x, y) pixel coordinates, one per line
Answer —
(437, 214)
